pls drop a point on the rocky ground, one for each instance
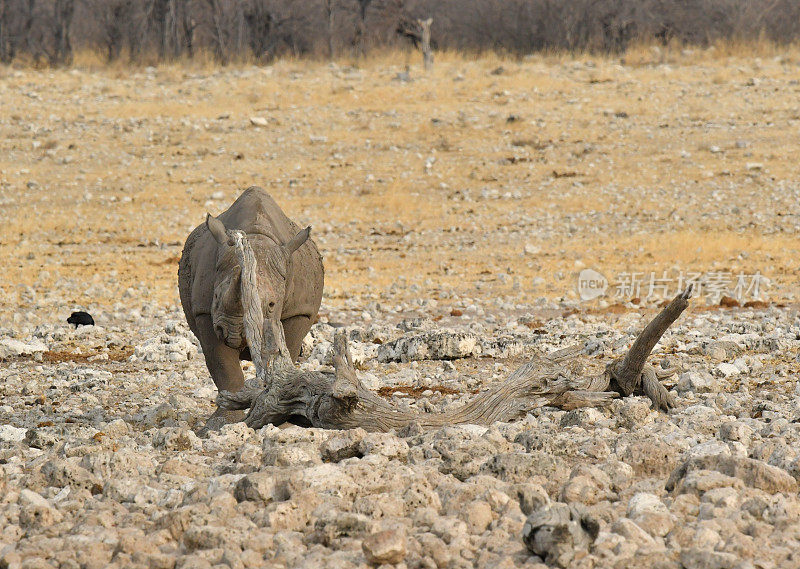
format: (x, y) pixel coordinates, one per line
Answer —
(455, 212)
(101, 466)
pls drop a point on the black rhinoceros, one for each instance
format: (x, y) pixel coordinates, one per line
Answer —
(289, 276)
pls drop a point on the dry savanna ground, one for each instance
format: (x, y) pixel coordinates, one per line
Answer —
(455, 211)
(483, 179)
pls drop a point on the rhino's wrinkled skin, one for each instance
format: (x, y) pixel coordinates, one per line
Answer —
(289, 284)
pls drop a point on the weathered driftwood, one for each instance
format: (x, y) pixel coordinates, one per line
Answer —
(339, 401)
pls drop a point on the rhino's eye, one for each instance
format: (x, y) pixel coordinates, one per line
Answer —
(272, 305)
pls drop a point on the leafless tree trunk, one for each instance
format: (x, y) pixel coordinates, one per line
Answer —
(217, 32)
(329, 11)
(113, 17)
(260, 25)
(137, 29)
(61, 53)
(361, 27)
(6, 45)
(241, 43)
(4, 58)
(157, 21)
(29, 6)
(172, 40)
(427, 54)
(189, 25)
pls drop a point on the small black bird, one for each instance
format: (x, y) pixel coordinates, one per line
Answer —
(81, 319)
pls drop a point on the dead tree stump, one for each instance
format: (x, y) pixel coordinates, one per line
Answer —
(427, 54)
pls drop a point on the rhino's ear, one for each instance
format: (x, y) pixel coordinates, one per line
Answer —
(296, 241)
(217, 229)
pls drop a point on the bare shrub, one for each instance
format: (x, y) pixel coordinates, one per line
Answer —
(259, 30)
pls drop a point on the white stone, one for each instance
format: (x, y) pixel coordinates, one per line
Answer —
(12, 434)
(31, 498)
(728, 370)
(713, 447)
(11, 347)
(697, 382)
(741, 365)
(644, 502)
(164, 348)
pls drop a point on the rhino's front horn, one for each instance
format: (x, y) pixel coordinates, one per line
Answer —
(217, 229)
(296, 241)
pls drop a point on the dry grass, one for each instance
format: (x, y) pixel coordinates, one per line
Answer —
(632, 167)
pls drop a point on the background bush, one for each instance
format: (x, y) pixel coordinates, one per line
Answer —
(50, 31)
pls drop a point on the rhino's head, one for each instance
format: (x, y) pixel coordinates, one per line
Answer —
(271, 270)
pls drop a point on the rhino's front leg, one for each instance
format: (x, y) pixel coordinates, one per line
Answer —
(223, 365)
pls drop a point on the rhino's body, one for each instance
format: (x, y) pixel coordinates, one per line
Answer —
(208, 268)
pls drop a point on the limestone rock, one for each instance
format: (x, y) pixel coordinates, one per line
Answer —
(345, 444)
(258, 486)
(434, 345)
(11, 347)
(12, 434)
(752, 473)
(388, 546)
(698, 382)
(557, 533)
(165, 348)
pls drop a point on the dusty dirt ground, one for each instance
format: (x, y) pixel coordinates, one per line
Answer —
(466, 201)
(683, 166)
